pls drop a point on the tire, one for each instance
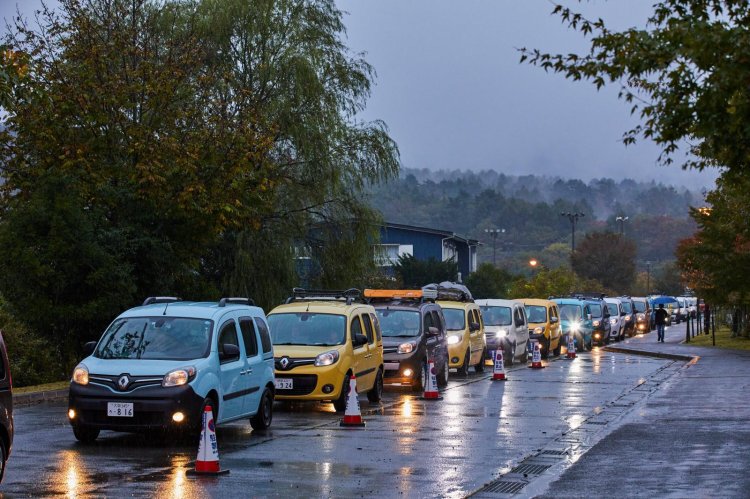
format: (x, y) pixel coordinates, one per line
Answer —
(83, 434)
(525, 357)
(547, 349)
(420, 378)
(509, 356)
(442, 379)
(557, 350)
(3, 460)
(479, 367)
(464, 369)
(264, 416)
(376, 393)
(340, 403)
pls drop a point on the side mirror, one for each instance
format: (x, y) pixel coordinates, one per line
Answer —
(433, 331)
(622, 314)
(89, 348)
(229, 352)
(359, 340)
(474, 326)
(554, 320)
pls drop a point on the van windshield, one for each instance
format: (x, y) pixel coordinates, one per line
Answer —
(627, 307)
(398, 322)
(536, 313)
(640, 306)
(496, 316)
(612, 307)
(570, 312)
(454, 319)
(307, 328)
(156, 338)
(596, 311)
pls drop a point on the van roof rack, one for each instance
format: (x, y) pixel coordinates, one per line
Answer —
(450, 291)
(236, 301)
(350, 295)
(151, 300)
(389, 295)
(589, 296)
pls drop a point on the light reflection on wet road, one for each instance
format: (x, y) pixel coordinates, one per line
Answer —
(410, 447)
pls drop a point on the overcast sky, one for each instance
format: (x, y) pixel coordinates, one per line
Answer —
(451, 90)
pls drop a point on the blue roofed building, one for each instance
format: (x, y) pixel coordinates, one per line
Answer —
(424, 243)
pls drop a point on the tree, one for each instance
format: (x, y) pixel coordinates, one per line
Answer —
(547, 282)
(416, 273)
(668, 280)
(607, 258)
(489, 281)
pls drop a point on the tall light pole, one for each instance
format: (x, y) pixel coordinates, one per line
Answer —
(648, 277)
(573, 217)
(494, 233)
(622, 221)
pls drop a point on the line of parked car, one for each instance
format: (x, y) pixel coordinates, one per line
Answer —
(160, 365)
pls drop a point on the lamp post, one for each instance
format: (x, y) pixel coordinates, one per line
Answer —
(573, 217)
(493, 234)
(648, 277)
(622, 221)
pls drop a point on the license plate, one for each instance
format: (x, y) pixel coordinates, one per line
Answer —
(284, 383)
(120, 409)
(391, 366)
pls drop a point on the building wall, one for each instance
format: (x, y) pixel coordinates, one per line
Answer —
(425, 245)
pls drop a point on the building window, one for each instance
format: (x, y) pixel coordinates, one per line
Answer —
(449, 250)
(386, 255)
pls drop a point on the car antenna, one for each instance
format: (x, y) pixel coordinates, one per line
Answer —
(165, 308)
(308, 307)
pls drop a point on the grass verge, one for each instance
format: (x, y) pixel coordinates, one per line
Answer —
(41, 388)
(723, 340)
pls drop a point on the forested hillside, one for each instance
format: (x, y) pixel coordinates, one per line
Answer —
(528, 208)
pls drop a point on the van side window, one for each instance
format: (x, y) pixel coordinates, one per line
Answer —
(439, 320)
(248, 336)
(553, 312)
(376, 325)
(265, 336)
(428, 321)
(228, 336)
(356, 327)
(368, 328)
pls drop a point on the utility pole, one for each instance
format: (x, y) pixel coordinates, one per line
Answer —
(573, 217)
(648, 277)
(622, 221)
(493, 234)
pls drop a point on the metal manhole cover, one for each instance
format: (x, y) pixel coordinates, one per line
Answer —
(531, 469)
(504, 487)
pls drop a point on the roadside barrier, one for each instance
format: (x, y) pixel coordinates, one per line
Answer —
(498, 369)
(431, 390)
(207, 463)
(571, 347)
(352, 414)
(536, 357)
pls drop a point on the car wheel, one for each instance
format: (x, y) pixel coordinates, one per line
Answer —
(509, 355)
(83, 434)
(525, 357)
(420, 378)
(464, 369)
(340, 403)
(3, 459)
(376, 393)
(547, 348)
(443, 375)
(557, 350)
(479, 367)
(264, 416)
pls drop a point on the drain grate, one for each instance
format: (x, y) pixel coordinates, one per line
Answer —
(531, 469)
(555, 452)
(597, 422)
(503, 487)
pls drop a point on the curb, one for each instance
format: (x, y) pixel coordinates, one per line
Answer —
(659, 355)
(39, 397)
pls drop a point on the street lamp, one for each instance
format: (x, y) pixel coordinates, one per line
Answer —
(573, 217)
(622, 221)
(648, 277)
(533, 262)
(494, 233)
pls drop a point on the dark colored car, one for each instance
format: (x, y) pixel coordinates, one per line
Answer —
(6, 408)
(595, 306)
(630, 315)
(413, 330)
(642, 315)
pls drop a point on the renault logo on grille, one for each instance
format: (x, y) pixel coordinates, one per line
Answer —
(123, 382)
(284, 362)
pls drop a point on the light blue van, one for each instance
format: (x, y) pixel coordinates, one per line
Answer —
(158, 366)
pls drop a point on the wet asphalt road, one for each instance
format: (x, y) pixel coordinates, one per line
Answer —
(479, 432)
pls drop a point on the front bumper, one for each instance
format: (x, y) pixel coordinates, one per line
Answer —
(313, 383)
(153, 407)
(396, 366)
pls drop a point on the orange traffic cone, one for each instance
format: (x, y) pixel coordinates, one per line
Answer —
(498, 370)
(536, 356)
(207, 462)
(352, 414)
(571, 347)
(430, 390)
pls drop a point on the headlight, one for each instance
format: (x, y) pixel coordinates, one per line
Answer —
(627, 317)
(596, 323)
(407, 347)
(502, 333)
(641, 317)
(454, 339)
(575, 326)
(613, 321)
(539, 330)
(178, 377)
(327, 358)
(81, 375)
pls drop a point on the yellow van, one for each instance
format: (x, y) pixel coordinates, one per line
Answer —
(321, 339)
(466, 343)
(544, 324)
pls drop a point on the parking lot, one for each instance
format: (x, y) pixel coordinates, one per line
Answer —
(480, 432)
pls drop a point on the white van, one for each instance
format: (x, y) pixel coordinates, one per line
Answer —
(506, 327)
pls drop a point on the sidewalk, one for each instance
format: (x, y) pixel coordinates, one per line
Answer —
(690, 439)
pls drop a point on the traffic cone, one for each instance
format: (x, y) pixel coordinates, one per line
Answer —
(498, 369)
(571, 347)
(430, 390)
(352, 414)
(207, 462)
(536, 356)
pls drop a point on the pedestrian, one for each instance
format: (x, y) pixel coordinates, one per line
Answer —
(661, 321)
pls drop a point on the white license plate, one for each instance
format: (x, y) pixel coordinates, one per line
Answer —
(391, 366)
(284, 383)
(120, 409)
